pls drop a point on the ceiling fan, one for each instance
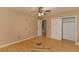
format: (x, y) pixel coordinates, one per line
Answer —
(40, 9)
(42, 12)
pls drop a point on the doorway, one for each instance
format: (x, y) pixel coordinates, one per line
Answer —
(44, 27)
(68, 28)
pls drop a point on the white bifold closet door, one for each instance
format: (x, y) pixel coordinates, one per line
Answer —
(68, 27)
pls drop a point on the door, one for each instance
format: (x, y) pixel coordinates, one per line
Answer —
(68, 28)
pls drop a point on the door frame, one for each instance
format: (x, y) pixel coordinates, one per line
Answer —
(39, 27)
(75, 27)
(39, 31)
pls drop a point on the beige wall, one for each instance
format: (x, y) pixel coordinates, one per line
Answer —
(68, 13)
(16, 26)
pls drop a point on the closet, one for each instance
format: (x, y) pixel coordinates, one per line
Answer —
(68, 28)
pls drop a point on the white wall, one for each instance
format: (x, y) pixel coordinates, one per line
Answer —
(56, 29)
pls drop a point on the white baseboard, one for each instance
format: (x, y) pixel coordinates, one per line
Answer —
(16, 42)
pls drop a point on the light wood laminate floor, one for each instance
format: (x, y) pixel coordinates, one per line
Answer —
(48, 45)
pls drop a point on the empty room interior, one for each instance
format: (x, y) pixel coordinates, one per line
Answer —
(39, 29)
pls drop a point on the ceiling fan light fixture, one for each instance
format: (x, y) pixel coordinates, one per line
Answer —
(40, 14)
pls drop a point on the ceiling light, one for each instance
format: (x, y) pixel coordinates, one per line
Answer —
(40, 14)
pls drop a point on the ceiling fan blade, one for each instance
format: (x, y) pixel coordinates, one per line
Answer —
(40, 9)
(48, 11)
